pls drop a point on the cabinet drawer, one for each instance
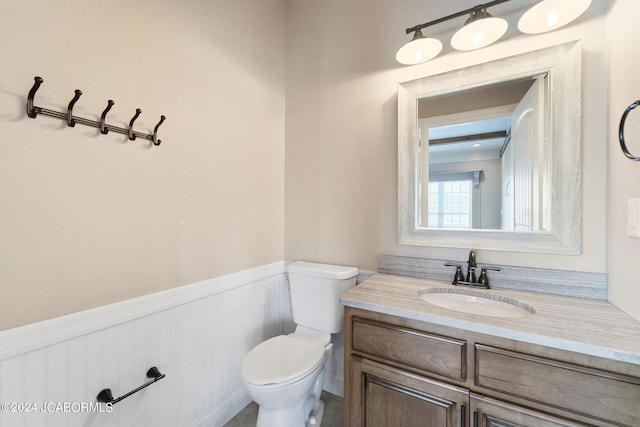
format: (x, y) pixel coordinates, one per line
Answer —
(432, 353)
(487, 412)
(600, 394)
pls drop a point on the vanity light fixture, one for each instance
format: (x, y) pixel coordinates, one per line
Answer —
(549, 15)
(481, 29)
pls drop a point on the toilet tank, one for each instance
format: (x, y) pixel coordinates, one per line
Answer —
(315, 291)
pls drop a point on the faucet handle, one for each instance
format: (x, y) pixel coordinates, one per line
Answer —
(458, 277)
(484, 279)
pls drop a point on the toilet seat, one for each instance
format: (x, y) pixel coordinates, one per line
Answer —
(281, 360)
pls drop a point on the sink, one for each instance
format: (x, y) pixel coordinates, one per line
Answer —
(476, 302)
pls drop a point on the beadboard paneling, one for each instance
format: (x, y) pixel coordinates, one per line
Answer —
(197, 335)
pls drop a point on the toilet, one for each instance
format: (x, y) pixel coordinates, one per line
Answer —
(284, 374)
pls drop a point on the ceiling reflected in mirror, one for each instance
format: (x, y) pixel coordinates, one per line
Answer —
(456, 137)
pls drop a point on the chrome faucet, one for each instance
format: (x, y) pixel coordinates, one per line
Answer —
(470, 279)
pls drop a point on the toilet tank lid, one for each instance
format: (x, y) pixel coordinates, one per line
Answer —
(326, 271)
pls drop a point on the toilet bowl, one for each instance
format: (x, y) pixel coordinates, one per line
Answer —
(284, 374)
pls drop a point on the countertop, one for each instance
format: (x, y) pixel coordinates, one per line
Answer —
(585, 326)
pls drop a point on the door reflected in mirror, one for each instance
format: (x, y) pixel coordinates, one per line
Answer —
(481, 157)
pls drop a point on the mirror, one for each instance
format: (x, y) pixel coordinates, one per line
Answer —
(489, 155)
(480, 157)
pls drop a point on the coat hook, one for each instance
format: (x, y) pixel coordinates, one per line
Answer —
(70, 121)
(132, 136)
(31, 111)
(103, 127)
(154, 138)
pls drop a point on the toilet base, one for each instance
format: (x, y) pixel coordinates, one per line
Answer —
(306, 413)
(291, 417)
(315, 418)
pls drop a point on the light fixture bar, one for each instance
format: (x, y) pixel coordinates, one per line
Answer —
(481, 29)
(455, 15)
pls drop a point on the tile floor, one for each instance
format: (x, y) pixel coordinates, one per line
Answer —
(332, 413)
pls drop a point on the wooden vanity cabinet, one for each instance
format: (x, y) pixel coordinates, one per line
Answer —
(404, 373)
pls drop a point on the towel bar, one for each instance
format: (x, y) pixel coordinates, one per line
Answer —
(623, 144)
(105, 396)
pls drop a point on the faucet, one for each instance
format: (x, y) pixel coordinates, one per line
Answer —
(470, 279)
(471, 267)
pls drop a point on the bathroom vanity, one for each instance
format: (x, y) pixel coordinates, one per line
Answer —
(559, 361)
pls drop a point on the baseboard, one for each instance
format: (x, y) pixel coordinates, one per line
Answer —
(225, 412)
(333, 383)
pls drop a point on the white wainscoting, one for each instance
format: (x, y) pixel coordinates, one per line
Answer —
(197, 335)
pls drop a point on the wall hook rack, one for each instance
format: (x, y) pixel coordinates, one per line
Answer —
(105, 395)
(33, 111)
(623, 144)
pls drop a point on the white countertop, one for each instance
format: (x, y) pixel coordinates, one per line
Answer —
(585, 326)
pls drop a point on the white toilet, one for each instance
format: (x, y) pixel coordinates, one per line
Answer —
(284, 374)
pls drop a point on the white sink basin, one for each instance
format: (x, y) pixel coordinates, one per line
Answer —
(471, 301)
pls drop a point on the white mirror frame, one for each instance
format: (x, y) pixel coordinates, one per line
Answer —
(564, 64)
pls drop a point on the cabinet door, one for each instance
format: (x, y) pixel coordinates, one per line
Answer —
(384, 396)
(486, 412)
